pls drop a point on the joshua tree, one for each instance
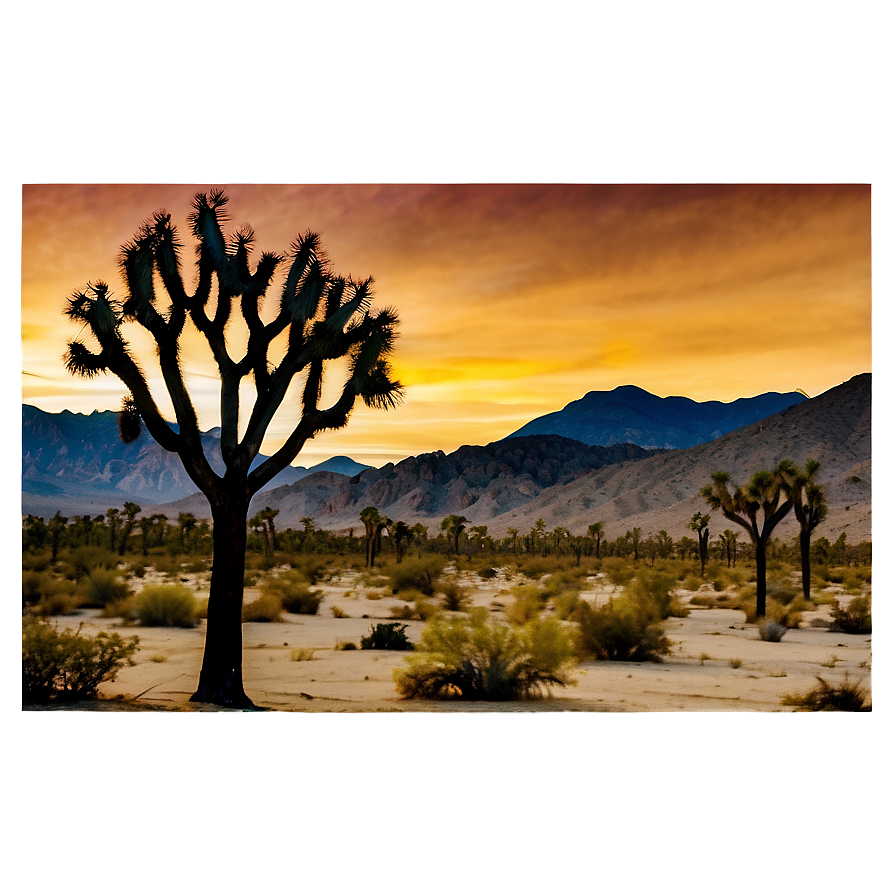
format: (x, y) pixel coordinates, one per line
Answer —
(401, 532)
(452, 526)
(57, 527)
(810, 509)
(596, 531)
(699, 523)
(263, 522)
(130, 512)
(634, 536)
(113, 518)
(373, 527)
(766, 494)
(513, 534)
(322, 317)
(728, 540)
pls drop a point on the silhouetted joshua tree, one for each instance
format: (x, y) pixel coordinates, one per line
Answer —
(452, 526)
(810, 509)
(322, 317)
(699, 523)
(767, 493)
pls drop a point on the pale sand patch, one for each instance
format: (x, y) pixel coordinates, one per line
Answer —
(361, 680)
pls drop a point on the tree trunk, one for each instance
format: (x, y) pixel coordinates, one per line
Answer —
(805, 538)
(760, 579)
(221, 678)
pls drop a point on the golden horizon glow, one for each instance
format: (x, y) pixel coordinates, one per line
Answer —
(514, 299)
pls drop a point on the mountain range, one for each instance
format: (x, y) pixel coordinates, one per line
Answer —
(520, 479)
(77, 463)
(629, 414)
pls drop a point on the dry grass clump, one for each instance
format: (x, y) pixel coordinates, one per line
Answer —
(302, 654)
(420, 573)
(621, 630)
(528, 602)
(102, 587)
(855, 619)
(848, 696)
(267, 608)
(294, 593)
(46, 595)
(471, 658)
(454, 596)
(338, 612)
(771, 630)
(166, 605)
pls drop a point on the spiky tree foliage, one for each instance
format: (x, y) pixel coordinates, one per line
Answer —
(699, 523)
(452, 526)
(810, 509)
(321, 317)
(57, 528)
(728, 541)
(373, 527)
(130, 520)
(401, 533)
(596, 531)
(758, 507)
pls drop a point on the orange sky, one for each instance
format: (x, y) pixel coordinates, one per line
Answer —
(514, 299)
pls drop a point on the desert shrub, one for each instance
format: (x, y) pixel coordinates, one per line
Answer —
(845, 697)
(267, 608)
(566, 603)
(781, 591)
(855, 619)
(103, 586)
(338, 612)
(692, 583)
(527, 604)
(302, 654)
(345, 645)
(294, 593)
(487, 572)
(788, 616)
(310, 567)
(47, 595)
(85, 559)
(172, 606)
(771, 630)
(410, 595)
(618, 570)
(387, 636)
(403, 611)
(622, 630)
(470, 658)
(65, 665)
(703, 600)
(455, 596)
(421, 573)
(652, 587)
(825, 600)
(124, 609)
(735, 662)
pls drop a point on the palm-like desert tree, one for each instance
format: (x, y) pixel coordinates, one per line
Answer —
(699, 523)
(758, 507)
(452, 526)
(596, 531)
(373, 527)
(810, 509)
(321, 317)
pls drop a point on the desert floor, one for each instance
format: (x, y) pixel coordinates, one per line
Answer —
(698, 676)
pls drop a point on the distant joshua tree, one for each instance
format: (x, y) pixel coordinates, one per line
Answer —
(373, 527)
(699, 523)
(452, 526)
(758, 507)
(810, 509)
(596, 531)
(322, 318)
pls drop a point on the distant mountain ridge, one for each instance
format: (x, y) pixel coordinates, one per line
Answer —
(78, 461)
(628, 414)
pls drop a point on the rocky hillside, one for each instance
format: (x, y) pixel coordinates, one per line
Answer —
(76, 463)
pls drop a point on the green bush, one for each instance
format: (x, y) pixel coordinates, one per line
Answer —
(172, 606)
(487, 572)
(64, 665)
(655, 588)
(85, 559)
(293, 592)
(420, 573)
(566, 603)
(47, 595)
(470, 658)
(855, 619)
(845, 697)
(527, 604)
(104, 586)
(622, 630)
(267, 608)
(387, 636)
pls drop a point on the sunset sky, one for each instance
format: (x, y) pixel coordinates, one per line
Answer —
(514, 299)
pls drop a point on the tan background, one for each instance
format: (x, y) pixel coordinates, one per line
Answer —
(372, 92)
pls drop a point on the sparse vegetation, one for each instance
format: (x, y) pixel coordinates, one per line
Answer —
(266, 608)
(471, 658)
(855, 619)
(848, 696)
(621, 630)
(166, 605)
(771, 630)
(65, 665)
(387, 636)
(294, 593)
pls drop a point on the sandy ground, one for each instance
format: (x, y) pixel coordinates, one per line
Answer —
(698, 676)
